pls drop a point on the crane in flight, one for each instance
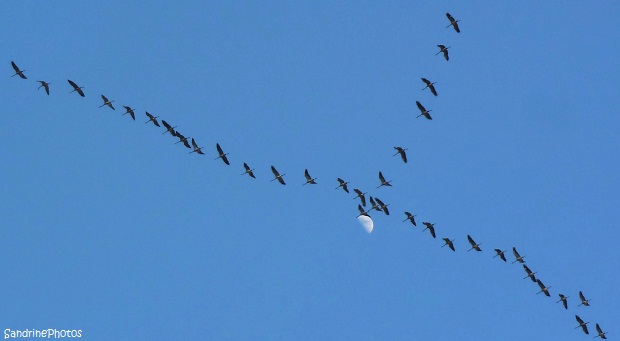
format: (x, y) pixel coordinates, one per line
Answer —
(18, 72)
(474, 246)
(500, 254)
(517, 256)
(44, 85)
(361, 195)
(277, 175)
(448, 242)
(564, 300)
(543, 288)
(584, 302)
(382, 206)
(129, 110)
(343, 184)
(429, 85)
(600, 332)
(423, 111)
(410, 217)
(430, 227)
(221, 154)
(401, 151)
(76, 88)
(443, 49)
(583, 325)
(530, 274)
(309, 179)
(383, 181)
(453, 23)
(106, 102)
(182, 139)
(197, 150)
(169, 128)
(249, 171)
(152, 119)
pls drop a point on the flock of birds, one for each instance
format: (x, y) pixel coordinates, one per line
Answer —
(375, 203)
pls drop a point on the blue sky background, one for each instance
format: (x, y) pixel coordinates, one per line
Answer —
(109, 227)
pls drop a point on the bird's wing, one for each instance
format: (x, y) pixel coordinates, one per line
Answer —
(420, 106)
(471, 240)
(219, 149)
(275, 172)
(381, 177)
(583, 298)
(194, 143)
(14, 66)
(426, 81)
(433, 91)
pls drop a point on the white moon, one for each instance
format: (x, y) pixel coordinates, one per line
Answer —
(366, 223)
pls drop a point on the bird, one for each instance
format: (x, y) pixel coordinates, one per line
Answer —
(277, 175)
(530, 274)
(106, 102)
(76, 88)
(309, 179)
(383, 182)
(600, 332)
(543, 288)
(152, 119)
(249, 171)
(401, 151)
(169, 128)
(430, 227)
(45, 85)
(374, 205)
(517, 256)
(500, 253)
(429, 85)
(582, 324)
(343, 184)
(410, 217)
(443, 49)
(423, 111)
(383, 206)
(584, 302)
(453, 23)
(182, 139)
(448, 242)
(221, 154)
(196, 148)
(564, 300)
(129, 111)
(360, 195)
(362, 212)
(17, 70)
(474, 246)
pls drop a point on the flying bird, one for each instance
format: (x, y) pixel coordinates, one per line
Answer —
(76, 88)
(423, 111)
(429, 85)
(197, 149)
(374, 205)
(277, 175)
(517, 256)
(44, 85)
(500, 253)
(360, 195)
(530, 274)
(430, 227)
(584, 302)
(249, 171)
(362, 212)
(383, 206)
(18, 71)
(600, 332)
(453, 23)
(106, 102)
(443, 49)
(383, 182)
(401, 151)
(474, 246)
(182, 139)
(448, 242)
(129, 110)
(582, 324)
(564, 300)
(309, 179)
(410, 217)
(543, 288)
(343, 184)
(169, 128)
(152, 119)
(221, 154)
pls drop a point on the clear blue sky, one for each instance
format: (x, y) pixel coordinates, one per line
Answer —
(109, 227)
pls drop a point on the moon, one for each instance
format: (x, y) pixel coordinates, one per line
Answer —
(366, 223)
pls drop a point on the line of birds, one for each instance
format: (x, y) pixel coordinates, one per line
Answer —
(376, 203)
